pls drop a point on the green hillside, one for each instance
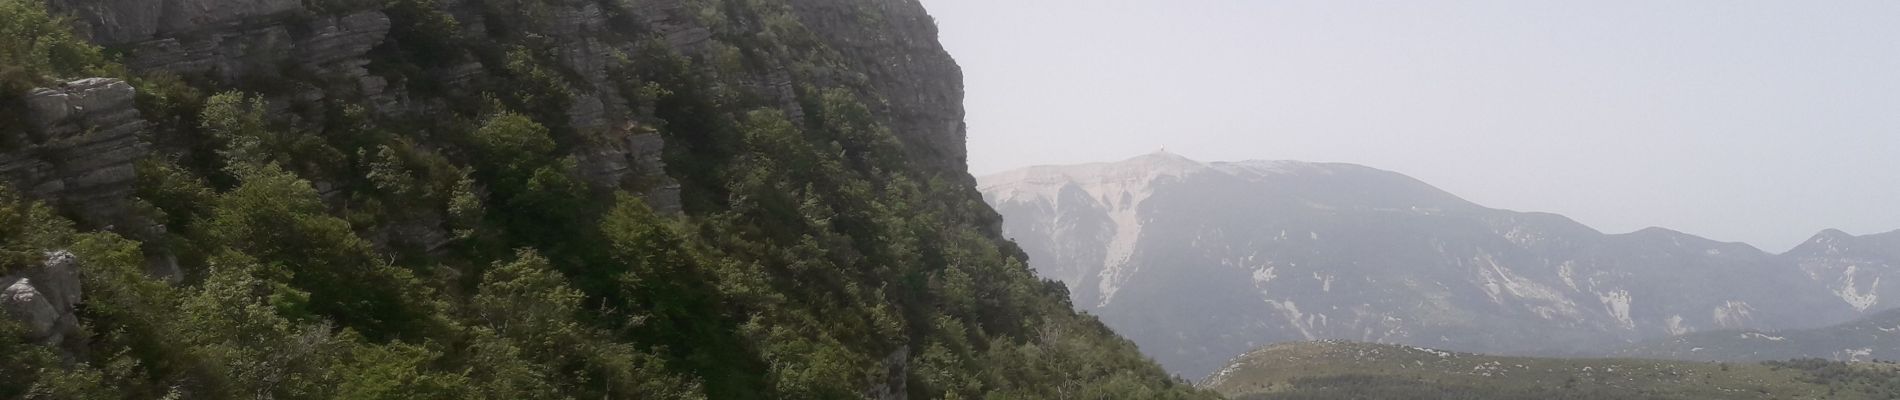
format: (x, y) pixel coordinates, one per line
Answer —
(1344, 370)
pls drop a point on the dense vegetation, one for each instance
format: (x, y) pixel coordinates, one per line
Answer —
(1337, 370)
(813, 259)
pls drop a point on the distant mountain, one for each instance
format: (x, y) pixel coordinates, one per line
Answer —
(1359, 371)
(1868, 339)
(1199, 261)
(1851, 266)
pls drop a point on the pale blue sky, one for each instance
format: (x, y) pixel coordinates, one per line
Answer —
(1754, 121)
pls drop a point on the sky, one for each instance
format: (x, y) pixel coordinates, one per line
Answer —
(1762, 122)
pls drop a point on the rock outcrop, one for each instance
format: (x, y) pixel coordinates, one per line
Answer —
(43, 298)
(893, 385)
(82, 146)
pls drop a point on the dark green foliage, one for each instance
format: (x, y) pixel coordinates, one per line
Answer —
(534, 195)
(278, 218)
(27, 229)
(528, 302)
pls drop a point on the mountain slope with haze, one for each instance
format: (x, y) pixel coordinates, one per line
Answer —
(1196, 261)
(1873, 338)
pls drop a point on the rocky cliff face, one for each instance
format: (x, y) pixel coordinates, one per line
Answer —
(84, 139)
(323, 52)
(1199, 261)
(325, 55)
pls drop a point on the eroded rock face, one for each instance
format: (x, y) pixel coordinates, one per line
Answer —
(82, 148)
(631, 160)
(893, 385)
(333, 48)
(118, 22)
(43, 298)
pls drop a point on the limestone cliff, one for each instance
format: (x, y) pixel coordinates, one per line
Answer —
(84, 138)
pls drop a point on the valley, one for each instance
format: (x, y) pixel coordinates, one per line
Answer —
(1346, 370)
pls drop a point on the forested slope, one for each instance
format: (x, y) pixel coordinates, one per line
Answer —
(452, 199)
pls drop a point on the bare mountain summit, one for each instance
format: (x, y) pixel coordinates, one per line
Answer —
(1199, 261)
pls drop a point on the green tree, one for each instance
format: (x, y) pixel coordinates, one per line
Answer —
(36, 47)
(534, 193)
(237, 121)
(238, 326)
(527, 302)
(279, 219)
(27, 231)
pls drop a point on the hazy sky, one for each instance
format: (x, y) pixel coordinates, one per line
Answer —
(1754, 121)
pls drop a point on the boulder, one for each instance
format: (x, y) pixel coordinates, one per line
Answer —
(43, 298)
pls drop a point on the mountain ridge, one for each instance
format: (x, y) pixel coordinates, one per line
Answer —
(988, 181)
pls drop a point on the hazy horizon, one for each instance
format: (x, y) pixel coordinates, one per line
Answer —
(1756, 122)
